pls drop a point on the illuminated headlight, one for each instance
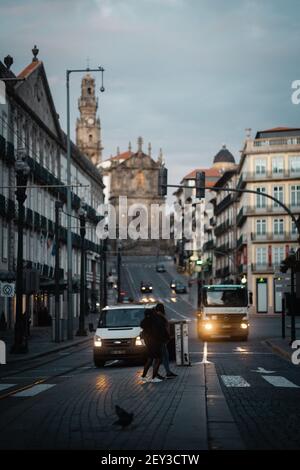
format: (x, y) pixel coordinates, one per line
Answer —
(244, 326)
(97, 342)
(208, 326)
(143, 288)
(150, 287)
(139, 341)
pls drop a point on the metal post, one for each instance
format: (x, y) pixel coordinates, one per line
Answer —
(69, 210)
(293, 319)
(119, 272)
(199, 291)
(22, 171)
(81, 331)
(105, 272)
(101, 277)
(58, 206)
(283, 318)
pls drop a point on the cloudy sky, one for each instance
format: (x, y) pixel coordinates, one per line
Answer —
(187, 75)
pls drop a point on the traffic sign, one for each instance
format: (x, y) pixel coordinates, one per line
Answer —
(7, 289)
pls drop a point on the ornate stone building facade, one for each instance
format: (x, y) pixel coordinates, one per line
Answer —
(88, 129)
(135, 175)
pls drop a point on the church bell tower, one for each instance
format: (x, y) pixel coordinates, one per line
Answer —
(88, 129)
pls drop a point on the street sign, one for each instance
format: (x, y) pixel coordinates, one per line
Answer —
(7, 289)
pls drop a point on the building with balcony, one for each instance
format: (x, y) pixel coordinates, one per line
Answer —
(29, 122)
(270, 164)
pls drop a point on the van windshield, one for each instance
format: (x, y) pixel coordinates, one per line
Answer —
(225, 298)
(121, 317)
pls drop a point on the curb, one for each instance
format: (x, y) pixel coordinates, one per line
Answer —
(29, 357)
(277, 349)
(223, 431)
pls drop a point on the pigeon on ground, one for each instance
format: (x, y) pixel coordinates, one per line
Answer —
(124, 418)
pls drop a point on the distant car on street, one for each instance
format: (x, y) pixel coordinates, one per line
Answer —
(180, 288)
(125, 298)
(160, 268)
(146, 287)
(173, 284)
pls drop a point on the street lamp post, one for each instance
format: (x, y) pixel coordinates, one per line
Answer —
(22, 171)
(119, 270)
(69, 200)
(82, 219)
(58, 207)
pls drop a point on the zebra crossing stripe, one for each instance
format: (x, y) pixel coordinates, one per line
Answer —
(279, 381)
(35, 390)
(5, 386)
(234, 381)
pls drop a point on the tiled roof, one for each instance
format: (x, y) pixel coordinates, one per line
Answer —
(209, 172)
(29, 69)
(281, 129)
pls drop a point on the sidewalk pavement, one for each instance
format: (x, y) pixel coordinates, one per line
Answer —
(41, 343)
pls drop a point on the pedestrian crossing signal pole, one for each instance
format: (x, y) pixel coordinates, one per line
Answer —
(199, 264)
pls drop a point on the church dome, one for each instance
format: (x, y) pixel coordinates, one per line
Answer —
(224, 156)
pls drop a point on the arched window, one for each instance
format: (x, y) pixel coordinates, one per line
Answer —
(90, 138)
(89, 90)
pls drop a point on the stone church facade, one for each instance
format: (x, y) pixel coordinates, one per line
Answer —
(135, 175)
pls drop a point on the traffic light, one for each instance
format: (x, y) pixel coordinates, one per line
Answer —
(163, 181)
(200, 184)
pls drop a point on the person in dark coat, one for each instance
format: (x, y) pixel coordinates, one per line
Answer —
(153, 337)
(165, 328)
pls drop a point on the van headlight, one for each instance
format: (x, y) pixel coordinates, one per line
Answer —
(208, 326)
(139, 341)
(97, 341)
(244, 326)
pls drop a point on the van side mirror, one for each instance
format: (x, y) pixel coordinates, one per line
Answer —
(250, 298)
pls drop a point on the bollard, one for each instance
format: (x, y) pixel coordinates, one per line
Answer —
(182, 344)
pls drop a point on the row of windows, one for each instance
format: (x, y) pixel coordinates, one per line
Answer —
(279, 193)
(277, 164)
(264, 256)
(278, 226)
(39, 249)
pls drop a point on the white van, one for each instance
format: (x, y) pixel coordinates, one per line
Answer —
(118, 333)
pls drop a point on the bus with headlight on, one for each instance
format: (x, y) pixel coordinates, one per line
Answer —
(224, 312)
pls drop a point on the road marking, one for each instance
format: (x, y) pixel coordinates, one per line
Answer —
(33, 391)
(234, 381)
(204, 358)
(279, 381)
(261, 370)
(5, 386)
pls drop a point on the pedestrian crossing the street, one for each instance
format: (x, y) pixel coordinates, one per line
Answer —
(239, 382)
